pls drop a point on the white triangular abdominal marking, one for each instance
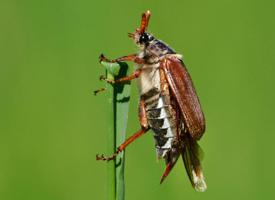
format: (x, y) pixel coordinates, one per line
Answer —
(157, 110)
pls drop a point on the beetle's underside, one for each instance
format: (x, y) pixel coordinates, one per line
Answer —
(168, 104)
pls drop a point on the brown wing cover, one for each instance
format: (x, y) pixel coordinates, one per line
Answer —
(182, 88)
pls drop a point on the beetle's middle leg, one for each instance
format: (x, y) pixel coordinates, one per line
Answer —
(125, 79)
(132, 76)
(144, 129)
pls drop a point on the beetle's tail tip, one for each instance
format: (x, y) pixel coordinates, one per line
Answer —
(200, 184)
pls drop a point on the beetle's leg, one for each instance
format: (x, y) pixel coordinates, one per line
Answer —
(132, 76)
(123, 145)
(99, 90)
(144, 129)
(132, 57)
(142, 115)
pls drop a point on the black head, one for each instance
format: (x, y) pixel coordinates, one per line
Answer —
(145, 38)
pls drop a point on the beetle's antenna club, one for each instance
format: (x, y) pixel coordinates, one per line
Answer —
(144, 21)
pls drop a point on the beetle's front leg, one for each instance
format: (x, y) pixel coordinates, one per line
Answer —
(134, 58)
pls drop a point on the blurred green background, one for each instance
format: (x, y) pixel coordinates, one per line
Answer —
(51, 125)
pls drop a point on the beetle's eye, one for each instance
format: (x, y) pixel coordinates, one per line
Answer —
(144, 38)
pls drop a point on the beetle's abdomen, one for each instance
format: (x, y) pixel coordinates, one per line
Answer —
(160, 120)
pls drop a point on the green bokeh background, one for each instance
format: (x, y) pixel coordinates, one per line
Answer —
(51, 125)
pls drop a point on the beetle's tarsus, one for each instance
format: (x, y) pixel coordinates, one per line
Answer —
(101, 58)
(103, 78)
(102, 157)
(99, 90)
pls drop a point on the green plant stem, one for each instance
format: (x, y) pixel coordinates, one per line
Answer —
(118, 101)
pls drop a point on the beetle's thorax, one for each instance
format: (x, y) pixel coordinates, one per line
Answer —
(152, 53)
(158, 48)
(154, 50)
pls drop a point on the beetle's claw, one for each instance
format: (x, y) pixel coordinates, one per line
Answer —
(102, 157)
(102, 77)
(103, 58)
(99, 157)
(99, 90)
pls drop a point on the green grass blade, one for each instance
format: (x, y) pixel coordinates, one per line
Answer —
(119, 104)
(122, 107)
(111, 145)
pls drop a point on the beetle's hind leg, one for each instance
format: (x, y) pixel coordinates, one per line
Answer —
(144, 129)
(123, 145)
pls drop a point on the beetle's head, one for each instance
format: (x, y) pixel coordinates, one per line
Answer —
(141, 37)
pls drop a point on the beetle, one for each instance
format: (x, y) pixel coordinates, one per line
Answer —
(168, 105)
